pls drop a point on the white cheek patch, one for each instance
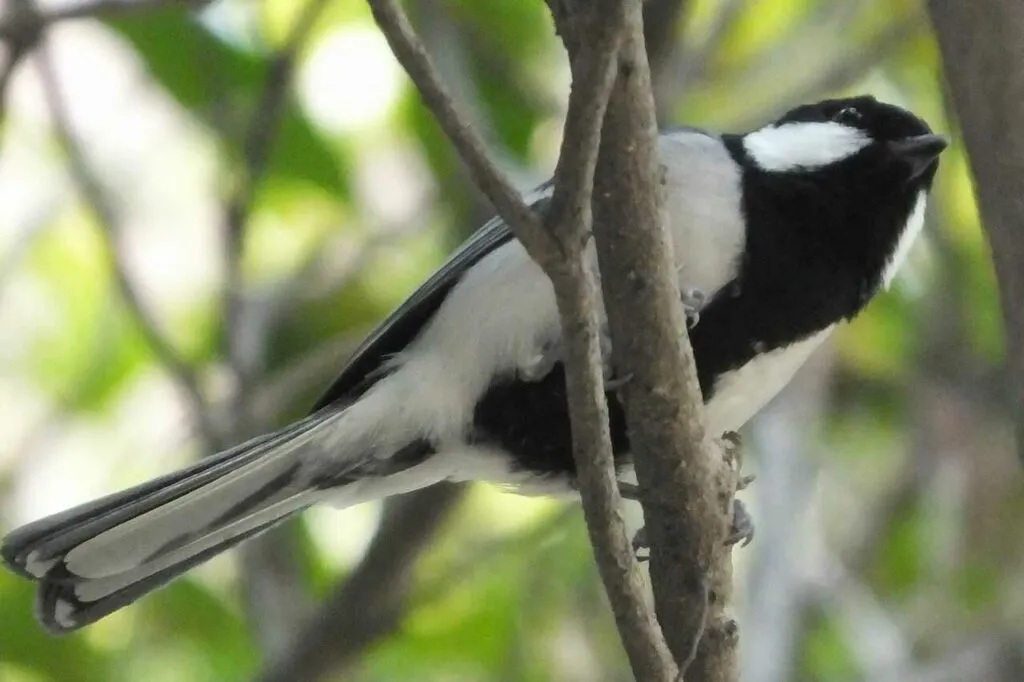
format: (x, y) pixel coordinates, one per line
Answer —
(907, 238)
(803, 145)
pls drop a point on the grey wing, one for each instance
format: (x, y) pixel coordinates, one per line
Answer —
(405, 323)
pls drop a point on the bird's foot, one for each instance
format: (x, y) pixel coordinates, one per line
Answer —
(741, 528)
(694, 301)
(640, 544)
(741, 532)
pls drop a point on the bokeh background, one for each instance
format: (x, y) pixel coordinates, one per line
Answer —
(204, 206)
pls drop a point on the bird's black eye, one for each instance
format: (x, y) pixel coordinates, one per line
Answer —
(850, 116)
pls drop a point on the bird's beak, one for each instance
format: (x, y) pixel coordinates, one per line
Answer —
(919, 151)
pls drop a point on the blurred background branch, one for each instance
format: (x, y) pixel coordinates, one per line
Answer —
(371, 602)
(276, 600)
(104, 210)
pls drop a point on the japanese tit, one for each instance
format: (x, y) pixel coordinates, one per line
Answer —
(787, 230)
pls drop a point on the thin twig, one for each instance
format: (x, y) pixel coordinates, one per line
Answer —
(257, 147)
(686, 66)
(409, 51)
(593, 76)
(96, 198)
(15, 24)
(19, 44)
(662, 19)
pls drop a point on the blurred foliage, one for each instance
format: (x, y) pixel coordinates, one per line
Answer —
(361, 199)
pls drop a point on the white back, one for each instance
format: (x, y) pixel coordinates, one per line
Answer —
(703, 208)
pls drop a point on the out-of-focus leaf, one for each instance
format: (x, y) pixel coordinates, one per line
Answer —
(978, 585)
(878, 343)
(212, 637)
(116, 351)
(222, 84)
(72, 264)
(388, 278)
(900, 554)
(24, 643)
(509, 114)
(973, 264)
(759, 27)
(516, 28)
(470, 632)
(825, 654)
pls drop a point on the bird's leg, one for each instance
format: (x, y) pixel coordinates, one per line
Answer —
(741, 529)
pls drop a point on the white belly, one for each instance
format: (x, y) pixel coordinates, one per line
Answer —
(741, 393)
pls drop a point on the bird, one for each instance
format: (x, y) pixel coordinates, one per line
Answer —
(779, 235)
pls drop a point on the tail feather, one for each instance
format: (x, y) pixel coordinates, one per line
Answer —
(63, 606)
(96, 558)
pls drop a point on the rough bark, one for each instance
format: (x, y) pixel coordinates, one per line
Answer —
(685, 488)
(982, 45)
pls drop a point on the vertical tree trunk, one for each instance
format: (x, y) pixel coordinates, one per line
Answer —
(982, 45)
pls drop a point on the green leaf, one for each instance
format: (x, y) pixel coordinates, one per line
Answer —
(24, 643)
(222, 84)
(92, 347)
(826, 655)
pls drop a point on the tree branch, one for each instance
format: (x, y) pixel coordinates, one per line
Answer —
(986, 81)
(662, 30)
(684, 65)
(564, 261)
(409, 51)
(21, 15)
(685, 502)
(95, 197)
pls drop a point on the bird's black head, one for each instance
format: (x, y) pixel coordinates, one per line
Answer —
(829, 136)
(837, 189)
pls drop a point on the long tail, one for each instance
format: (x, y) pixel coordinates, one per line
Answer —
(96, 558)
